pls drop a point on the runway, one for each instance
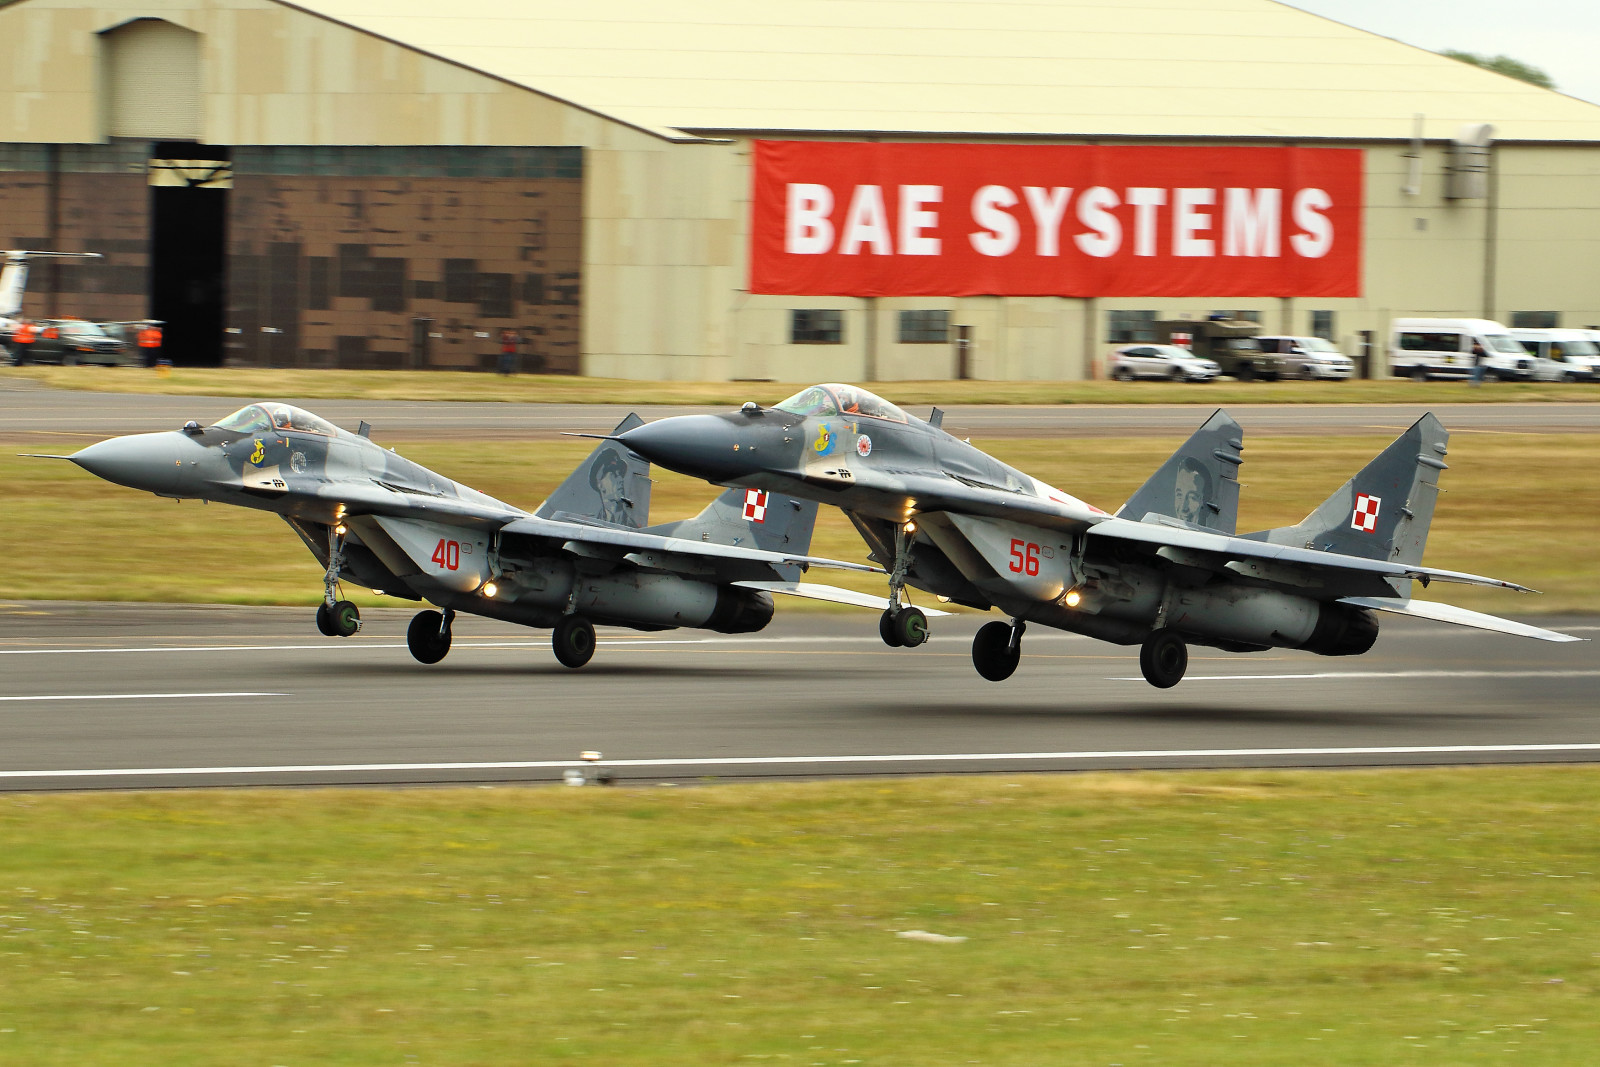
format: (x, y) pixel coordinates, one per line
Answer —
(32, 410)
(97, 696)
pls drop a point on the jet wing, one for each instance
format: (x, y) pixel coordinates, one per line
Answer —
(1427, 609)
(1303, 570)
(933, 491)
(476, 510)
(675, 555)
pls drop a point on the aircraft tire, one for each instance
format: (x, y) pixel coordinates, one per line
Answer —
(888, 630)
(428, 644)
(573, 641)
(325, 620)
(992, 653)
(1163, 659)
(346, 619)
(911, 626)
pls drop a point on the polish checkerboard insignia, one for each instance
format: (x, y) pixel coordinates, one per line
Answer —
(755, 505)
(1365, 516)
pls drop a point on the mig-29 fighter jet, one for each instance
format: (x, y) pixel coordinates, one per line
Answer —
(1166, 571)
(586, 555)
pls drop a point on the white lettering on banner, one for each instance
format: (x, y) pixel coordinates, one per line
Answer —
(1094, 211)
(1145, 200)
(1047, 205)
(1188, 220)
(913, 220)
(1000, 231)
(1252, 221)
(808, 231)
(1318, 238)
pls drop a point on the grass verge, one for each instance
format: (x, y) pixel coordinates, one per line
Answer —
(1245, 917)
(1520, 507)
(566, 389)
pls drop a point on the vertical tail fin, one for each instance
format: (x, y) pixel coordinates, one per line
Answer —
(750, 518)
(1384, 511)
(1199, 484)
(611, 486)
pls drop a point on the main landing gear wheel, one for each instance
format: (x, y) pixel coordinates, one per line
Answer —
(906, 628)
(325, 619)
(997, 649)
(1163, 658)
(428, 636)
(346, 618)
(573, 641)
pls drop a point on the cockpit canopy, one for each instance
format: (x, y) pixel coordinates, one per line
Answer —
(268, 418)
(846, 400)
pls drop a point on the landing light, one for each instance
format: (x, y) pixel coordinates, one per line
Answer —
(340, 529)
(911, 527)
(490, 589)
(1074, 598)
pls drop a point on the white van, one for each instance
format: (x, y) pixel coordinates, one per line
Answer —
(1425, 348)
(1561, 355)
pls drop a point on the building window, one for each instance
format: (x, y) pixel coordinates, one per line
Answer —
(1241, 314)
(924, 327)
(1123, 327)
(1322, 325)
(816, 327)
(1535, 320)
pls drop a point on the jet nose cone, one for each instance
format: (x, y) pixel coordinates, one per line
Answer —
(149, 461)
(704, 446)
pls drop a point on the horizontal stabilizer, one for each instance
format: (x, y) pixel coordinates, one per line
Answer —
(832, 594)
(1427, 609)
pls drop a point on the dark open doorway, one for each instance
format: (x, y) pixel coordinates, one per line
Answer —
(188, 243)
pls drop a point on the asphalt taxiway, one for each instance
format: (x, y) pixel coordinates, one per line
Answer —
(96, 696)
(29, 409)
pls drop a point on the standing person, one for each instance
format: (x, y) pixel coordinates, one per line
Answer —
(22, 342)
(1478, 358)
(150, 343)
(508, 351)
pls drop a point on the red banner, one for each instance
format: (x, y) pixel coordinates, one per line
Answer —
(873, 219)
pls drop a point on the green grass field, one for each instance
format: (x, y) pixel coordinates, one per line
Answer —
(1240, 918)
(1516, 506)
(565, 389)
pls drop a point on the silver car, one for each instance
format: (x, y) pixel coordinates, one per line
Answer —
(1310, 358)
(1167, 362)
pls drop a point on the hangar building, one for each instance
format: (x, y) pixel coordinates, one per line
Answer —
(812, 190)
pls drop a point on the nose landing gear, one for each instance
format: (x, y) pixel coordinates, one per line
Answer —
(901, 625)
(335, 617)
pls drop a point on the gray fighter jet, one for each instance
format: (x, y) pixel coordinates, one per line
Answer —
(1164, 572)
(376, 519)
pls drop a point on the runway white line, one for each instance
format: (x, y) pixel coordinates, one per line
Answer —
(1368, 675)
(136, 696)
(782, 761)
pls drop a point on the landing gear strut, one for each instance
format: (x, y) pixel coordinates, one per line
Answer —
(335, 617)
(1163, 658)
(997, 649)
(901, 625)
(428, 636)
(573, 641)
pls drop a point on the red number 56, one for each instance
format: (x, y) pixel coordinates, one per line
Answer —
(1024, 557)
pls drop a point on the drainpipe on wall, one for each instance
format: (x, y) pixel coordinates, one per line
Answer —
(52, 227)
(869, 365)
(1491, 235)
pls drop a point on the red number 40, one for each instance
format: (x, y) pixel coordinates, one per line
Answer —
(448, 555)
(1024, 557)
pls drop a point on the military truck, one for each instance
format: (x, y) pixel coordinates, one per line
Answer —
(1229, 342)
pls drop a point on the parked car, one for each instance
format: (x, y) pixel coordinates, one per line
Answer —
(1309, 358)
(1230, 343)
(73, 341)
(1426, 348)
(1561, 355)
(1167, 362)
